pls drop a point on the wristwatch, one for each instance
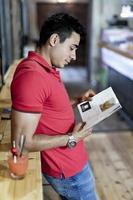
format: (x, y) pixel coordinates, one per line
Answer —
(71, 141)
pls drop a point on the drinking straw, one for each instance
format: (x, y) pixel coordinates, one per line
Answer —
(22, 141)
(14, 156)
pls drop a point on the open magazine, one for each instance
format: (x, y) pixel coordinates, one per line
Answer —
(102, 106)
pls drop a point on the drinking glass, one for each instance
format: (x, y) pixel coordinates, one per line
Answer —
(18, 166)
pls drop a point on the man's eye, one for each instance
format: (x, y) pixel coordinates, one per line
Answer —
(71, 48)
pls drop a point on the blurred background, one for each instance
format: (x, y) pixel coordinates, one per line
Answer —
(105, 59)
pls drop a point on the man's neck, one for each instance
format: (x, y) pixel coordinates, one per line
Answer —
(45, 54)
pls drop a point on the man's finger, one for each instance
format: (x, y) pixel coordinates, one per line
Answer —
(79, 126)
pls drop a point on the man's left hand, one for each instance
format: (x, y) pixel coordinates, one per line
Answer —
(87, 96)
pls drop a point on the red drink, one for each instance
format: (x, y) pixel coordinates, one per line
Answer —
(18, 169)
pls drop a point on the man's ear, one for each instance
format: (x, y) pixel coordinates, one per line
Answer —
(54, 39)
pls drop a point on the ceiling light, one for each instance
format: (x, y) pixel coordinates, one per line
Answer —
(126, 11)
(61, 1)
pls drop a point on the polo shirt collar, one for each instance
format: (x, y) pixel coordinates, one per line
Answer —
(38, 58)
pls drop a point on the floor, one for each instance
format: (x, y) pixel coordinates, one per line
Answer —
(111, 155)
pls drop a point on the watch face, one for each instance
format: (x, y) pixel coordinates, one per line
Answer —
(71, 143)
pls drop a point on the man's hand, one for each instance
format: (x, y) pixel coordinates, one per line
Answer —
(81, 133)
(87, 96)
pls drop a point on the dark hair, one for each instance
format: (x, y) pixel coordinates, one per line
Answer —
(62, 24)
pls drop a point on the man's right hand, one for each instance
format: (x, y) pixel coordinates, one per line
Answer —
(80, 133)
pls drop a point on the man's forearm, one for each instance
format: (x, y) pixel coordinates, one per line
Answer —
(26, 124)
(41, 142)
(38, 142)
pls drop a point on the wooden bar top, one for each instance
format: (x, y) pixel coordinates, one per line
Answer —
(29, 188)
(115, 49)
(5, 96)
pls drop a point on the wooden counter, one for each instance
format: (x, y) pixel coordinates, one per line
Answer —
(30, 188)
(119, 75)
(115, 49)
(5, 97)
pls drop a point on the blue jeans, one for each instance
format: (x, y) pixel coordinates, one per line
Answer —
(78, 187)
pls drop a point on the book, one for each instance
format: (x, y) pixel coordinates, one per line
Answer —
(99, 108)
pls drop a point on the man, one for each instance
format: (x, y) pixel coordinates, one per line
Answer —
(41, 110)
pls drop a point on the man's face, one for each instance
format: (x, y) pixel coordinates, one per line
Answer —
(63, 53)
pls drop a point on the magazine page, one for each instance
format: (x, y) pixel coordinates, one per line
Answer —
(102, 106)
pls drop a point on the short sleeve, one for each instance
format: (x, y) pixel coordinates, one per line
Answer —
(29, 91)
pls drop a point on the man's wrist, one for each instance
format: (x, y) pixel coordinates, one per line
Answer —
(72, 141)
(74, 101)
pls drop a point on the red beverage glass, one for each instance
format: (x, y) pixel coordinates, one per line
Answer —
(18, 167)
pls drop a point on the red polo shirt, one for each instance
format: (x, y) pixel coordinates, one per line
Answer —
(37, 87)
